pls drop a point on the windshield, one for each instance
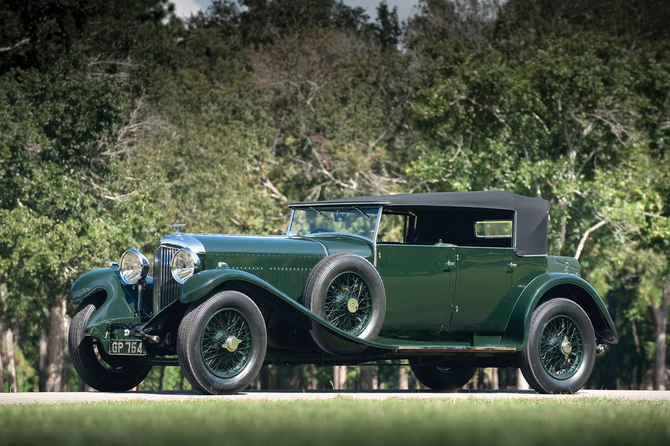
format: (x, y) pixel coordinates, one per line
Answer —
(357, 220)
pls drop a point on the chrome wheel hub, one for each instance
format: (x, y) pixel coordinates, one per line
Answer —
(231, 343)
(566, 347)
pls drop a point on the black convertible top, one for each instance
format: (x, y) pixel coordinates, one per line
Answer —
(532, 213)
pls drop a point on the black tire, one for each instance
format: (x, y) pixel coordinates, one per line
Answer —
(561, 348)
(345, 290)
(98, 369)
(443, 378)
(209, 355)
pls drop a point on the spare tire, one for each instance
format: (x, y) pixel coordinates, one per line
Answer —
(345, 290)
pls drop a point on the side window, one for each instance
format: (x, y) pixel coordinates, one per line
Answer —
(493, 229)
(392, 228)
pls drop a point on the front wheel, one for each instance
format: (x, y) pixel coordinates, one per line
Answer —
(443, 378)
(221, 343)
(561, 348)
(98, 369)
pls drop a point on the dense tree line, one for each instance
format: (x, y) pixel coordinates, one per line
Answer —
(118, 118)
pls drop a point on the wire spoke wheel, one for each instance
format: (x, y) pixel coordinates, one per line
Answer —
(561, 347)
(104, 358)
(221, 343)
(226, 344)
(348, 303)
(98, 369)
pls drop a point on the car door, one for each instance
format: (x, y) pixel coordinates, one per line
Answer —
(483, 277)
(418, 284)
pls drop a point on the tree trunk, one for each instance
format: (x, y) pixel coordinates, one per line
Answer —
(294, 380)
(563, 201)
(312, 382)
(2, 378)
(55, 348)
(481, 375)
(65, 378)
(282, 377)
(340, 377)
(3, 292)
(43, 360)
(493, 378)
(11, 369)
(659, 317)
(365, 378)
(403, 377)
(161, 377)
(612, 382)
(521, 382)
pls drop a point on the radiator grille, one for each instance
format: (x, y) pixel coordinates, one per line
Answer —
(166, 289)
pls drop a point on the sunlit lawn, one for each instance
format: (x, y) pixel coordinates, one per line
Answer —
(343, 421)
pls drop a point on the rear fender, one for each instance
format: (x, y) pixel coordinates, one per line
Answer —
(549, 285)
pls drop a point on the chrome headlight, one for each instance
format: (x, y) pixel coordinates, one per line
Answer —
(184, 264)
(133, 267)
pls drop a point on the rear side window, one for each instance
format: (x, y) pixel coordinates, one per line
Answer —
(492, 229)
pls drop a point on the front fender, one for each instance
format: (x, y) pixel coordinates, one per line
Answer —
(119, 304)
(104, 279)
(203, 283)
(522, 313)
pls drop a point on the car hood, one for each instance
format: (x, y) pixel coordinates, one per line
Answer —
(215, 247)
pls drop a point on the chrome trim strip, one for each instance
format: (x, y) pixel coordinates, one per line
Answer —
(290, 222)
(339, 205)
(374, 242)
(182, 240)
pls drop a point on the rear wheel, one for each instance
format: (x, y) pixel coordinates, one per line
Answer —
(561, 349)
(221, 343)
(98, 369)
(443, 378)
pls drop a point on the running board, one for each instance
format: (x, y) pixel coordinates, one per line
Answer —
(441, 349)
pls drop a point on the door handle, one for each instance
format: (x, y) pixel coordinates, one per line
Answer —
(448, 265)
(511, 265)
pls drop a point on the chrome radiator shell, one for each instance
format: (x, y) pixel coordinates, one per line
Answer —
(166, 289)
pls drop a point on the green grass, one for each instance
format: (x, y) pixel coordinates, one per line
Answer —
(344, 421)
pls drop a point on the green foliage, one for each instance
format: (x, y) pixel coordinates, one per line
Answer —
(117, 118)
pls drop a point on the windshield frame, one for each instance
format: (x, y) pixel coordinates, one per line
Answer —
(360, 207)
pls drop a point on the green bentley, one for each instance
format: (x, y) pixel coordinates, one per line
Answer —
(448, 281)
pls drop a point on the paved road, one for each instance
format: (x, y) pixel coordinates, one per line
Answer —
(279, 395)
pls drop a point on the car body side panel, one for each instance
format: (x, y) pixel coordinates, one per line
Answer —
(516, 332)
(483, 286)
(418, 283)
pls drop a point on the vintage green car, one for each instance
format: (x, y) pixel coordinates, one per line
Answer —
(448, 281)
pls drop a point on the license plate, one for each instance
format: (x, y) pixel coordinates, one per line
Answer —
(126, 348)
